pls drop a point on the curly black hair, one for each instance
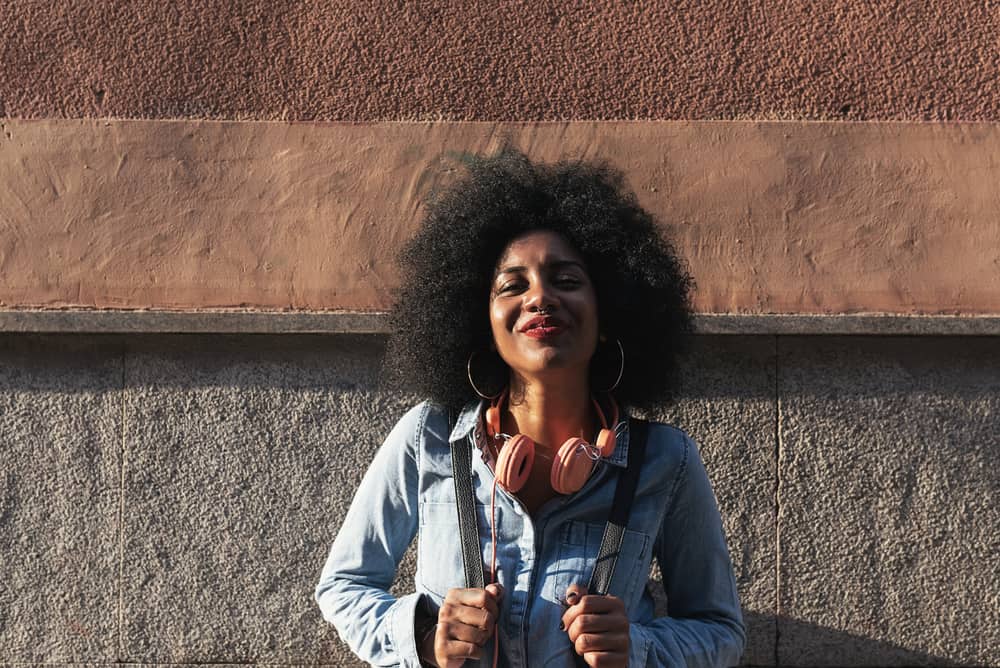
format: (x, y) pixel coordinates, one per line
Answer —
(441, 311)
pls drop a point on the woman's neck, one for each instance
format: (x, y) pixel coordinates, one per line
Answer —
(549, 413)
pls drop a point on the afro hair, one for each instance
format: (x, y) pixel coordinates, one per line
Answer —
(447, 269)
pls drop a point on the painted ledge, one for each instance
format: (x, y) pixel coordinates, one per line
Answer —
(345, 322)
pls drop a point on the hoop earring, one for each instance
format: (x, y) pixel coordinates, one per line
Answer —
(621, 367)
(468, 369)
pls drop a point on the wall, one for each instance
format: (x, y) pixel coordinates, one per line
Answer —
(172, 499)
(186, 167)
(509, 60)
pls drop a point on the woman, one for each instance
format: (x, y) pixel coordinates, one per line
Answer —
(548, 291)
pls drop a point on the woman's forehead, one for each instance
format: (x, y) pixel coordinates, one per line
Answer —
(537, 247)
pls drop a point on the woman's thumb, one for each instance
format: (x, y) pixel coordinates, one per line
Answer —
(574, 593)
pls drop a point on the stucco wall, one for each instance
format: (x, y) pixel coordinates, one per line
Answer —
(511, 60)
(171, 499)
(771, 217)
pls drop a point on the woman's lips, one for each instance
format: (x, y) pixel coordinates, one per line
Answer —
(544, 332)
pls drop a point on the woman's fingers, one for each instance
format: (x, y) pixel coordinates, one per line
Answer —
(466, 621)
(464, 632)
(600, 642)
(598, 628)
(450, 652)
(591, 605)
(597, 624)
(463, 614)
(483, 599)
(574, 593)
(605, 659)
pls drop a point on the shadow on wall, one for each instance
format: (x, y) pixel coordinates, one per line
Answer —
(802, 643)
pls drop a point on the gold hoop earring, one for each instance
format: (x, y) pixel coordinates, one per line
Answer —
(468, 369)
(621, 367)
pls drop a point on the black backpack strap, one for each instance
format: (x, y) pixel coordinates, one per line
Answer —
(461, 465)
(614, 530)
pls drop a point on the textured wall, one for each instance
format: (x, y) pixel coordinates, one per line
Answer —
(171, 499)
(772, 217)
(507, 60)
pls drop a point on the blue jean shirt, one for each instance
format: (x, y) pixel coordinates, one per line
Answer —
(408, 490)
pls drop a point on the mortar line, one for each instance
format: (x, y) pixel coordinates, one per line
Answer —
(121, 524)
(777, 502)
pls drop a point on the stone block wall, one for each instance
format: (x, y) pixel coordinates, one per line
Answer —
(170, 499)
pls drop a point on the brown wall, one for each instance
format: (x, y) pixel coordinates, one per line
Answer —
(772, 217)
(513, 60)
(777, 210)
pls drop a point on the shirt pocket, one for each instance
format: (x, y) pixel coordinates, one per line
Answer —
(439, 548)
(581, 541)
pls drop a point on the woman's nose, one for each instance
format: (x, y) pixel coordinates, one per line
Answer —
(540, 297)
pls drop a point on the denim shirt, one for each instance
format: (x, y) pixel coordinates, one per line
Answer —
(408, 490)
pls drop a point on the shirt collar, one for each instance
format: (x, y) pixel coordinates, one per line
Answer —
(468, 420)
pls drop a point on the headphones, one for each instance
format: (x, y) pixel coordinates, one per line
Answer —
(572, 465)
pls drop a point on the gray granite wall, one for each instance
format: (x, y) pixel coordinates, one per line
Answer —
(170, 499)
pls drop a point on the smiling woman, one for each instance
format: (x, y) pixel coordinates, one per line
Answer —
(538, 304)
(543, 310)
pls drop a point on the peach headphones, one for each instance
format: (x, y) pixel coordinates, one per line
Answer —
(572, 465)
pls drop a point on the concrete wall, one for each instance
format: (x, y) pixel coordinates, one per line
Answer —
(171, 499)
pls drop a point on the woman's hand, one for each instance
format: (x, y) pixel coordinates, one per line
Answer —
(465, 622)
(598, 627)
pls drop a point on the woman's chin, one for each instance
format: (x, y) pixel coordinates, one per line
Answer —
(556, 360)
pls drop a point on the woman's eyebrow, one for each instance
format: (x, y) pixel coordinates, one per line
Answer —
(560, 264)
(555, 264)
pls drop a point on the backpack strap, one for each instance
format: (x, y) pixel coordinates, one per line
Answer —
(614, 530)
(461, 464)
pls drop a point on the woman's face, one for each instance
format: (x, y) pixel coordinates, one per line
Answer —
(543, 309)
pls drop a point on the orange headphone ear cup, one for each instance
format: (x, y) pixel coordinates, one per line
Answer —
(514, 462)
(606, 442)
(571, 467)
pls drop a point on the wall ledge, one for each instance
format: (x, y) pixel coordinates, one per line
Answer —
(50, 321)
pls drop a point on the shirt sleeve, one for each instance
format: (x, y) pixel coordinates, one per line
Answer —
(705, 625)
(382, 520)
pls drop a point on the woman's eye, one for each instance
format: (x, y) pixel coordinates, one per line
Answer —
(568, 280)
(508, 287)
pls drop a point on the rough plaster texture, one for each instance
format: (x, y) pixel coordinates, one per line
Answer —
(60, 439)
(242, 458)
(233, 492)
(889, 519)
(728, 406)
(874, 545)
(772, 217)
(508, 60)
